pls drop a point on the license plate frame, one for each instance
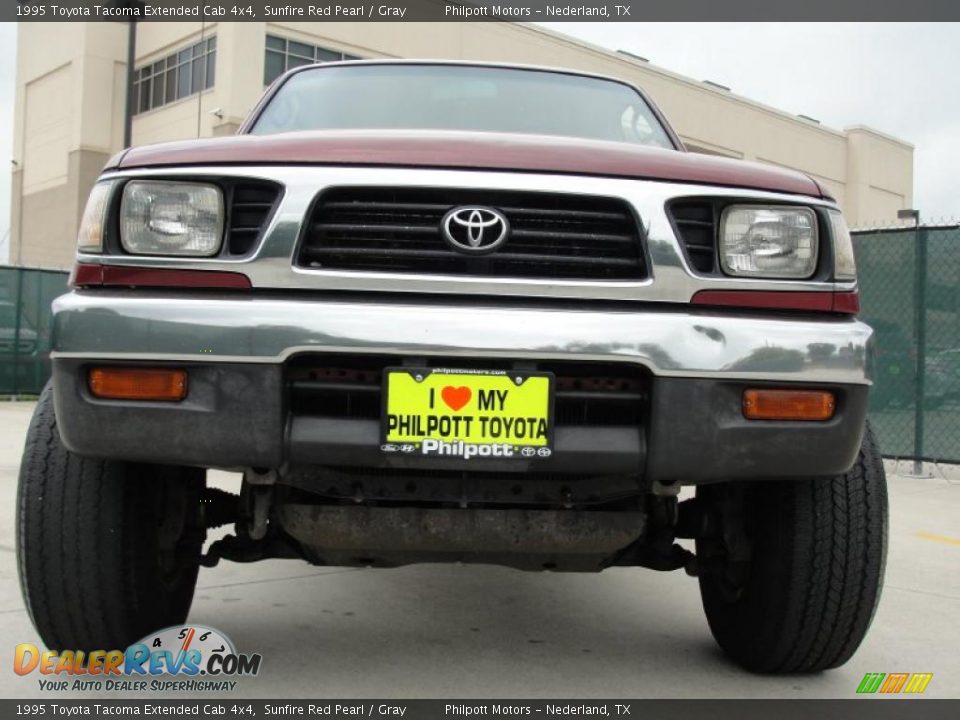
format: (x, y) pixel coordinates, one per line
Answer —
(523, 429)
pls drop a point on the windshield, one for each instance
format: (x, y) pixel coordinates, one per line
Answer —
(453, 97)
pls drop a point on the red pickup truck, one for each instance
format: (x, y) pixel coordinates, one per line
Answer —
(441, 312)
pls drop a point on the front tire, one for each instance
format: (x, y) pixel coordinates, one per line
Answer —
(107, 551)
(804, 598)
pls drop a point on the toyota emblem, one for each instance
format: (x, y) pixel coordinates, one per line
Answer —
(475, 230)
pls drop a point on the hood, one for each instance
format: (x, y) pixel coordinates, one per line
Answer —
(469, 151)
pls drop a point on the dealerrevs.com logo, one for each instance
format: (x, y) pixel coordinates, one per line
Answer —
(179, 658)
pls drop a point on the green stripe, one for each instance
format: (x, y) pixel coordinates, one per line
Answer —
(870, 683)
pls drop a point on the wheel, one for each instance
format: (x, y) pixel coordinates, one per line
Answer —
(801, 597)
(107, 551)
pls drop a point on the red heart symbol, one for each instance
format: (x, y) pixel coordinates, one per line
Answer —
(456, 397)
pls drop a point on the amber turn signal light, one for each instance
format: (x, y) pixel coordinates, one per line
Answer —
(788, 404)
(115, 383)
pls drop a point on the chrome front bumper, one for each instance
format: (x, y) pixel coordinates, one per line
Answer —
(236, 346)
(234, 328)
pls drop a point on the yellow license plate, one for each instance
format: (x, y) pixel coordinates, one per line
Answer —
(467, 413)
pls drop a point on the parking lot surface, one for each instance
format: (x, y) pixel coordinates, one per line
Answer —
(479, 631)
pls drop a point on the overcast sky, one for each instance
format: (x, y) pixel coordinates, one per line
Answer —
(898, 78)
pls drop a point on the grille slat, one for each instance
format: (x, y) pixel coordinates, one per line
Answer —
(566, 234)
(552, 235)
(250, 207)
(500, 257)
(359, 228)
(696, 224)
(578, 214)
(367, 205)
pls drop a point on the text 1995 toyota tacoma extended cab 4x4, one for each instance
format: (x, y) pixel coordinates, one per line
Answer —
(452, 312)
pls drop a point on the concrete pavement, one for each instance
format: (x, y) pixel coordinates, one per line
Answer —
(478, 631)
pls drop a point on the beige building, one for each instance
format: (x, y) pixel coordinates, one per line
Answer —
(201, 80)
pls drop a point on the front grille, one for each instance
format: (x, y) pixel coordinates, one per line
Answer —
(696, 223)
(553, 236)
(250, 205)
(595, 394)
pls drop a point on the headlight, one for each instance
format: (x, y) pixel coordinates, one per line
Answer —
(90, 235)
(768, 242)
(171, 218)
(844, 266)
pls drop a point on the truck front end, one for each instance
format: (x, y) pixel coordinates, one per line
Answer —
(506, 337)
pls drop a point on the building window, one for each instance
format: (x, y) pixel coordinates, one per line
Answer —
(283, 54)
(176, 76)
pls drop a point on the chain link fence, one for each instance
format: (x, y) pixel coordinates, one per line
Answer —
(25, 320)
(910, 295)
